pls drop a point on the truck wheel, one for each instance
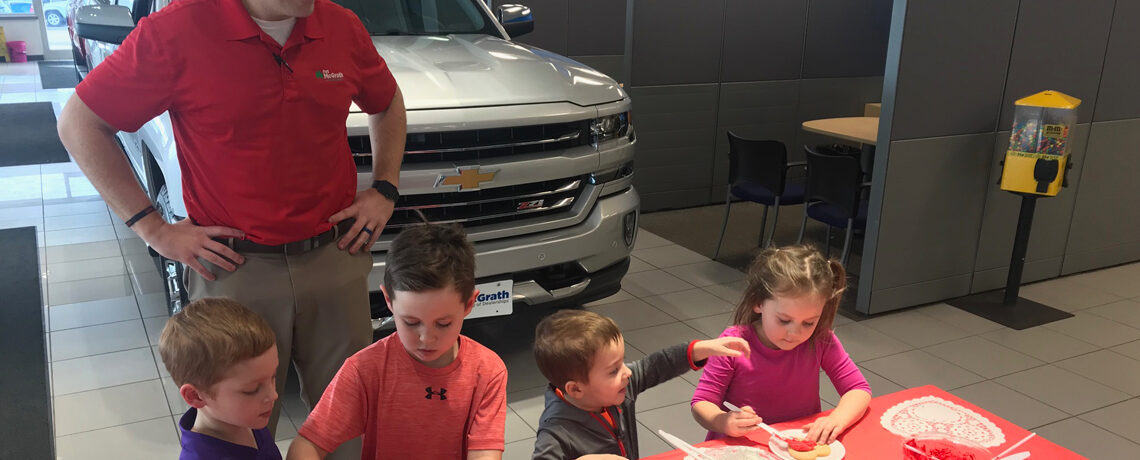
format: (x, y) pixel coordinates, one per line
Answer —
(172, 271)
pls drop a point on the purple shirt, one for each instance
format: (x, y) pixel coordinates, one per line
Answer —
(779, 385)
(199, 446)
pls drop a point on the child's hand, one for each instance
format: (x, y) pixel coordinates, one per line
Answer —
(724, 346)
(824, 430)
(738, 423)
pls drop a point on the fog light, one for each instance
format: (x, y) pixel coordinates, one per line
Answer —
(629, 228)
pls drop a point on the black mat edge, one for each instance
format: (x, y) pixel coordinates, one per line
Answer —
(26, 430)
(30, 142)
(67, 80)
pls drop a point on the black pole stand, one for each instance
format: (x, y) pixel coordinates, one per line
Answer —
(1007, 308)
(1020, 246)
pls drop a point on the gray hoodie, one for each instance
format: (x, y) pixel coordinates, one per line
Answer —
(567, 432)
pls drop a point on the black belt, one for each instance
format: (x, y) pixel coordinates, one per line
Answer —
(296, 247)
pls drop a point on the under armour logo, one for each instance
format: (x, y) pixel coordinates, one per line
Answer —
(442, 393)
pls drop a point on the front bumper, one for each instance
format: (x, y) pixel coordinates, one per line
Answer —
(552, 267)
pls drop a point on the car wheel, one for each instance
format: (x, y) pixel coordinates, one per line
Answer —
(53, 19)
(173, 272)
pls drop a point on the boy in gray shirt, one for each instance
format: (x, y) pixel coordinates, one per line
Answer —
(589, 411)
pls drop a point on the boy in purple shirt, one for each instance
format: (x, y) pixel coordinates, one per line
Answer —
(223, 358)
(786, 316)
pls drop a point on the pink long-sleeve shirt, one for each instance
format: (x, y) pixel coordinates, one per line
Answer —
(779, 385)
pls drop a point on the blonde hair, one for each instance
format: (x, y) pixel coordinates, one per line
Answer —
(793, 271)
(566, 343)
(201, 342)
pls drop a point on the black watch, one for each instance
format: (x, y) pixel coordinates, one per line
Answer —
(386, 189)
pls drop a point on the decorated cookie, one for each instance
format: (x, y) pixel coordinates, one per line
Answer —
(800, 449)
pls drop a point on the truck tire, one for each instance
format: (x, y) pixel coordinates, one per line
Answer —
(173, 272)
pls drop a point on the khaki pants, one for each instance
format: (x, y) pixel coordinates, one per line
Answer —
(317, 304)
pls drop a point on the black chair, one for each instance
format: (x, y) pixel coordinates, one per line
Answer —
(757, 172)
(835, 195)
(866, 155)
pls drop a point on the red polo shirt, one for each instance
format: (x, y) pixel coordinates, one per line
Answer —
(262, 148)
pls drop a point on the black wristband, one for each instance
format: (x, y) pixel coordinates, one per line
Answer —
(137, 217)
(386, 189)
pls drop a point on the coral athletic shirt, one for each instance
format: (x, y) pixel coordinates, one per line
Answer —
(406, 410)
(262, 148)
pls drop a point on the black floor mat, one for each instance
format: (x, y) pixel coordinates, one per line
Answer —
(28, 136)
(26, 428)
(58, 74)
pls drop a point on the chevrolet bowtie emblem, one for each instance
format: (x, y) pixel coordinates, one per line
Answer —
(467, 179)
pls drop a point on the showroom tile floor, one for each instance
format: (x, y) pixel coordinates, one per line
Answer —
(1076, 382)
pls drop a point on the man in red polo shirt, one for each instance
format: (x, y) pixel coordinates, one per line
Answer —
(258, 93)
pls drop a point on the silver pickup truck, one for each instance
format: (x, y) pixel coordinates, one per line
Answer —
(529, 151)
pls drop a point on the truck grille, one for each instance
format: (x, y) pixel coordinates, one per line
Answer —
(480, 144)
(488, 206)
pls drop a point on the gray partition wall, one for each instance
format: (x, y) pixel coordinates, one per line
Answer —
(757, 67)
(939, 227)
(698, 69)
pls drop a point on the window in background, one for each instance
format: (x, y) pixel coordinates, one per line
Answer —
(16, 8)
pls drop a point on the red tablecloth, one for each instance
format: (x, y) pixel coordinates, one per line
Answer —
(868, 440)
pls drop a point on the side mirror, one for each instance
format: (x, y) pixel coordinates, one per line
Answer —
(104, 23)
(516, 19)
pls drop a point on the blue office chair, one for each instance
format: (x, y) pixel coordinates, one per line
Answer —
(757, 172)
(835, 195)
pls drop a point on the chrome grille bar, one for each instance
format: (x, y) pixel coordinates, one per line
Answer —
(487, 206)
(565, 188)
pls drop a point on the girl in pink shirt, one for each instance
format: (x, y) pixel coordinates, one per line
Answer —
(785, 315)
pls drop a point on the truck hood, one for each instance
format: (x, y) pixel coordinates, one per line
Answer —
(456, 71)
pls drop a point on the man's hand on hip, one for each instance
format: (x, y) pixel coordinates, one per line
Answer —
(371, 211)
(186, 242)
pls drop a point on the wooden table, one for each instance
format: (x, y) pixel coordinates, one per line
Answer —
(863, 130)
(869, 440)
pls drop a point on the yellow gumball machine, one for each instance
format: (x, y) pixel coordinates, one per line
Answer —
(1034, 167)
(1039, 143)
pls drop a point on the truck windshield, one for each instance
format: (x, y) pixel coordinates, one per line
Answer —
(421, 17)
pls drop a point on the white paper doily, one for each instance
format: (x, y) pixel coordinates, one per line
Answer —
(937, 415)
(735, 453)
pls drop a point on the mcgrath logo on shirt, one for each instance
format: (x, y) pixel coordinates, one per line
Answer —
(325, 75)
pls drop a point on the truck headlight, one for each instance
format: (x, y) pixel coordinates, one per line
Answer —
(610, 127)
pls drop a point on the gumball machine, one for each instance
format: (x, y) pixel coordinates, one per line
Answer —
(1034, 167)
(1039, 143)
